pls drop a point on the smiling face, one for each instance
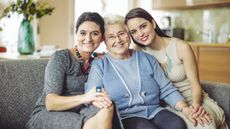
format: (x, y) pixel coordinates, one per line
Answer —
(117, 39)
(141, 30)
(88, 37)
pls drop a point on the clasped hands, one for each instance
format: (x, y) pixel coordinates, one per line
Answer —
(197, 115)
(98, 99)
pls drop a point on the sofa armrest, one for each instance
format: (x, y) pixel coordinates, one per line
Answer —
(220, 92)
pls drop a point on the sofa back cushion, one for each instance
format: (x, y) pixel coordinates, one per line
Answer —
(220, 92)
(21, 83)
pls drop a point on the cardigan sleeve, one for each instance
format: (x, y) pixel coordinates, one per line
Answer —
(95, 76)
(168, 92)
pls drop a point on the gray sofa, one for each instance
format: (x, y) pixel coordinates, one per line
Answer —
(21, 82)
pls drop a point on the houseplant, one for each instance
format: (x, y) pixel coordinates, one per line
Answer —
(30, 10)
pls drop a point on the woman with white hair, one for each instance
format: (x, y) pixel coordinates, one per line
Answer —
(135, 82)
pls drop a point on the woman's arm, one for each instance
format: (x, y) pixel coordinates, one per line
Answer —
(186, 55)
(170, 94)
(55, 102)
(54, 82)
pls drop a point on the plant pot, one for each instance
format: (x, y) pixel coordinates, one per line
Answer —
(26, 44)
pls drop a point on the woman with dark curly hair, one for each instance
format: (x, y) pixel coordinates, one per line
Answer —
(63, 104)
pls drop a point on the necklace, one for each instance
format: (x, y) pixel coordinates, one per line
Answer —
(85, 67)
(167, 61)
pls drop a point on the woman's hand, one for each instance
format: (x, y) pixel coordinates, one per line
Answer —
(183, 107)
(98, 55)
(192, 115)
(200, 114)
(188, 114)
(98, 99)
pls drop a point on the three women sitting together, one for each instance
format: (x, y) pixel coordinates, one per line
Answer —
(133, 82)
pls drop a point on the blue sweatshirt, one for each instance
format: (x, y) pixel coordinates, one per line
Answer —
(136, 85)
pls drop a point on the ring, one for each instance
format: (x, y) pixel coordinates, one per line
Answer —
(98, 89)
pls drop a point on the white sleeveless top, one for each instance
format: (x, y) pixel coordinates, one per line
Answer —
(175, 71)
(173, 68)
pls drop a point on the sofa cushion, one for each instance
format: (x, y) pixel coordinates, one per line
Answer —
(220, 92)
(21, 83)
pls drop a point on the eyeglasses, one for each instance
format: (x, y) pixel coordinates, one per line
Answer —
(120, 35)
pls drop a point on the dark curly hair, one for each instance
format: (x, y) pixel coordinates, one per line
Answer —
(93, 17)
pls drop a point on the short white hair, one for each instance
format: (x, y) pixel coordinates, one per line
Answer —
(111, 19)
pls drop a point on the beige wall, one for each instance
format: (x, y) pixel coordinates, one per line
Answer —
(56, 29)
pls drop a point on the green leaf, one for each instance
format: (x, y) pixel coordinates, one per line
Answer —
(29, 9)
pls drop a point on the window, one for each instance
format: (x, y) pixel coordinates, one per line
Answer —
(9, 34)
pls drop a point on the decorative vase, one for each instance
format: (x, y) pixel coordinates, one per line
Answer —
(26, 38)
